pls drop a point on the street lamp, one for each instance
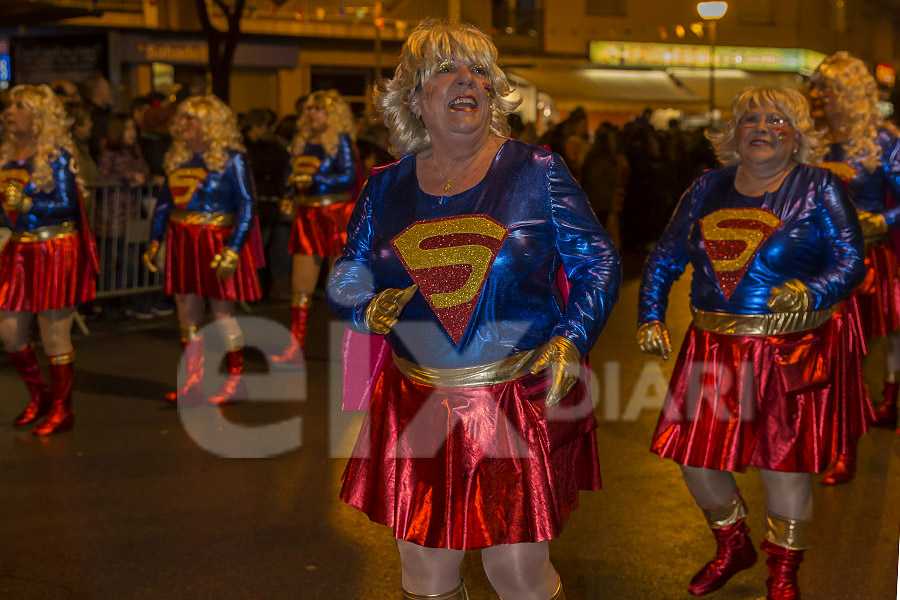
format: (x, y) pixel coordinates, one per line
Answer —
(712, 12)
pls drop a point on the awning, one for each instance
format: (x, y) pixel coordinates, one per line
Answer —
(25, 12)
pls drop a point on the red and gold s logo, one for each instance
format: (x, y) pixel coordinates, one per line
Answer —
(732, 237)
(183, 183)
(18, 178)
(841, 169)
(450, 259)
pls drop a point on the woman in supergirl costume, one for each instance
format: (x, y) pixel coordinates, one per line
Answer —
(50, 264)
(769, 373)
(207, 210)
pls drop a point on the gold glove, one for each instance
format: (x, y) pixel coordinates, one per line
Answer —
(150, 255)
(225, 263)
(14, 198)
(564, 361)
(873, 224)
(286, 206)
(384, 309)
(653, 338)
(792, 296)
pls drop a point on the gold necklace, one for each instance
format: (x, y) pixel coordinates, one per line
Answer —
(449, 183)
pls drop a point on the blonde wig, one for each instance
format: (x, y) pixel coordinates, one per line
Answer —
(220, 133)
(50, 129)
(856, 93)
(340, 120)
(785, 99)
(430, 43)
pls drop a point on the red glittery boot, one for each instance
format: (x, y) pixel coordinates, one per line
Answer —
(734, 551)
(785, 543)
(293, 354)
(886, 415)
(60, 417)
(25, 362)
(841, 470)
(234, 389)
(191, 393)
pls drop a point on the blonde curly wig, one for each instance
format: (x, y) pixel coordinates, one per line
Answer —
(430, 43)
(340, 120)
(50, 128)
(787, 100)
(220, 133)
(856, 93)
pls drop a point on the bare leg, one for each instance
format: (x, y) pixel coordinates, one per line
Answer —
(709, 487)
(892, 355)
(190, 310)
(223, 313)
(429, 570)
(56, 330)
(521, 571)
(305, 273)
(789, 494)
(14, 330)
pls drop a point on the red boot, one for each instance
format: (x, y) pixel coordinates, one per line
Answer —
(783, 564)
(734, 551)
(293, 354)
(26, 364)
(886, 415)
(841, 470)
(191, 393)
(60, 417)
(234, 389)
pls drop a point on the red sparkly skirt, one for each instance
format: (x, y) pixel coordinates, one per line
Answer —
(320, 230)
(878, 296)
(190, 249)
(788, 402)
(472, 467)
(46, 275)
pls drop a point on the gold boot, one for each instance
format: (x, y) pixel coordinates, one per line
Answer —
(559, 595)
(459, 593)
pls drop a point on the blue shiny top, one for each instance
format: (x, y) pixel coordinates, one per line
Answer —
(818, 241)
(47, 208)
(337, 173)
(868, 191)
(527, 191)
(192, 188)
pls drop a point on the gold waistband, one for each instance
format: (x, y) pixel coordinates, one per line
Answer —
(501, 371)
(768, 324)
(877, 240)
(198, 218)
(323, 200)
(42, 234)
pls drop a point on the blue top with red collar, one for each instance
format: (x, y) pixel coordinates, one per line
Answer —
(485, 261)
(192, 188)
(48, 207)
(868, 190)
(740, 247)
(336, 173)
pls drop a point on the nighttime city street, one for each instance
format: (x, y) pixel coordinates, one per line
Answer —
(128, 505)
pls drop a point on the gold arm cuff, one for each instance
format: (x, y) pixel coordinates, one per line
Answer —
(62, 359)
(42, 234)
(234, 342)
(459, 593)
(501, 371)
(199, 218)
(323, 200)
(300, 299)
(767, 324)
(787, 533)
(726, 514)
(189, 333)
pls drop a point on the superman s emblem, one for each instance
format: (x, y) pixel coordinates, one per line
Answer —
(450, 259)
(841, 169)
(183, 183)
(732, 237)
(18, 178)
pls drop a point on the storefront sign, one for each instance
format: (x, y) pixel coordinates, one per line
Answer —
(142, 48)
(630, 54)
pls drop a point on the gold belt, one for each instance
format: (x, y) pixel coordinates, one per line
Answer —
(199, 218)
(767, 324)
(501, 371)
(42, 234)
(323, 200)
(877, 240)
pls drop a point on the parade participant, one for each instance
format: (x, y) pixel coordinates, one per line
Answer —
(769, 373)
(208, 207)
(865, 156)
(50, 264)
(452, 254)
(324, 180)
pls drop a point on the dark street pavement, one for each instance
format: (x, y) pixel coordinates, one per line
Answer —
(143, 501)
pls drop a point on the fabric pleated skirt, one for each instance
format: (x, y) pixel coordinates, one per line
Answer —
(320, 230)
(789, 402)
(878, 296)
(46, 275)
(190, 249)
(472, 467)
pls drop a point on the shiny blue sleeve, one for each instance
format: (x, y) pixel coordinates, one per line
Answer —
(891, 169)
(161, 213)
(343, 177)
(589, 258)
(246, 201)
(837, 222)
(668, 259)
(63, 204)
(352, 284)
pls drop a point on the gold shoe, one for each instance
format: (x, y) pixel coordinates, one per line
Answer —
(459, 593)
